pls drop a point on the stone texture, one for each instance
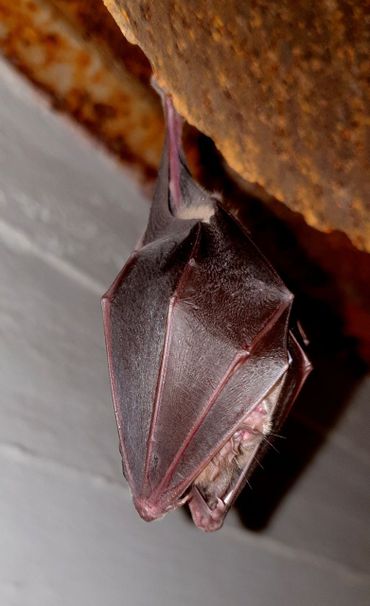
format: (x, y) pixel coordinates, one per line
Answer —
(281, 88)
(76, 54)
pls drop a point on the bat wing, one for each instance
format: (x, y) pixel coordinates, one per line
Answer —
(198, 343)
(196, 336)
(279, 401)
(135, 310)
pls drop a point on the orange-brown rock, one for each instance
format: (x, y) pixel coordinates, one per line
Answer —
(280, 87)
(74, 51)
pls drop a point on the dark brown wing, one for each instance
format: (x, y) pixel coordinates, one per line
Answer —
(196, 336)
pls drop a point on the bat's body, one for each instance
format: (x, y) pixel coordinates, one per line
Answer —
(201, 358)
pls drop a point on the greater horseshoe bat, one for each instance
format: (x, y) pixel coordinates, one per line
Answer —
(202, 359)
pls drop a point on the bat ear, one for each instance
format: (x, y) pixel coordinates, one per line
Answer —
(177, 195)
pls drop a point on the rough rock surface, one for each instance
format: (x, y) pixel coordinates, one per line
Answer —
(74, 51)
(281, 88)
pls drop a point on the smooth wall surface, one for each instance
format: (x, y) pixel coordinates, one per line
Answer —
(69, 535)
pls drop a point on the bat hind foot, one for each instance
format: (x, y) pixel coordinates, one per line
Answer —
(204, 517)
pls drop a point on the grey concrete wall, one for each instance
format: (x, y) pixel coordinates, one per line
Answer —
(69, 535)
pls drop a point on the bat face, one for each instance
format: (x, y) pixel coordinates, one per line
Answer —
(201, 358)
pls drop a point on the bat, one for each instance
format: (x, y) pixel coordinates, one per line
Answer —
(202, 358)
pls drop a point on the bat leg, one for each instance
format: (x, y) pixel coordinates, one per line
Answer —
(187, 200)
(205, 518)
(174, 123)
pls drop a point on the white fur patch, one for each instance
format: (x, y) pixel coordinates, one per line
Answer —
(198, 210)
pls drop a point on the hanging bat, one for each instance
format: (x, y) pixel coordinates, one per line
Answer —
(203, 363)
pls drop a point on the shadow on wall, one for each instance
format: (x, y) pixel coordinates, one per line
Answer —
(321, 304)
(338, 368)
(319, 407)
